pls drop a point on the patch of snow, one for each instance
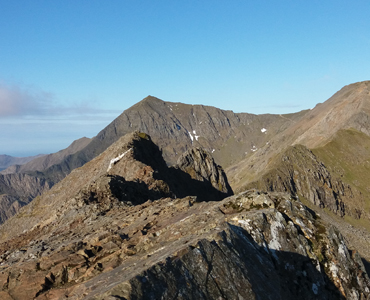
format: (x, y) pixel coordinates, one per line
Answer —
(200, 122)
(117, 159)
(213, 150)
(195, 134)
(254, 149)
(263, 130)
(192, 139)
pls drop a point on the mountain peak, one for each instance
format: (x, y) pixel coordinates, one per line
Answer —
(151, 99)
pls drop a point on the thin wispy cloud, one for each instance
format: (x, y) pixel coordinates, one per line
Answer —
(15, 101)
(18, 102)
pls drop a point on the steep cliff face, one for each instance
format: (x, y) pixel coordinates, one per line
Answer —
(113, 229)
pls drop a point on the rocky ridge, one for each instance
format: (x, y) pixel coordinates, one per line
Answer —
(113, 229)
(175, 127)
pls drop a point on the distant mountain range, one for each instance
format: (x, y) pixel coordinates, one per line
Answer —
(7, 160)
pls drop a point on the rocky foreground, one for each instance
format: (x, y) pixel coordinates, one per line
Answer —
(125, 226)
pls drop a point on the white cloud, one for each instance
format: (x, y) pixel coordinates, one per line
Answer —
(15, 101)
(33, 121)
(18, 102)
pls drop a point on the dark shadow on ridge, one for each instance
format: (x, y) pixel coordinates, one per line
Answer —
(179, 182)
(366, 265)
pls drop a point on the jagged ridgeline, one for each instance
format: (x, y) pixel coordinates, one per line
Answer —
(175, 127)
(127, 226)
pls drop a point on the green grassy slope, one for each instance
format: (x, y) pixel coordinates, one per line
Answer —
(347, 156)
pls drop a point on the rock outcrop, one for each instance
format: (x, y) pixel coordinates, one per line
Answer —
(201, 166)
(113, 229)
(299, 172)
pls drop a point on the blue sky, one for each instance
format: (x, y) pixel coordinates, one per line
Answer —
(68, 68)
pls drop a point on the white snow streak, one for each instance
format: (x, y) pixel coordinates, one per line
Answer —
(263, 130)
(192, 139)
(117, 159)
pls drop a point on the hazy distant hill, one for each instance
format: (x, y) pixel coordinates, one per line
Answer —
(7, 160)
(40, 163)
